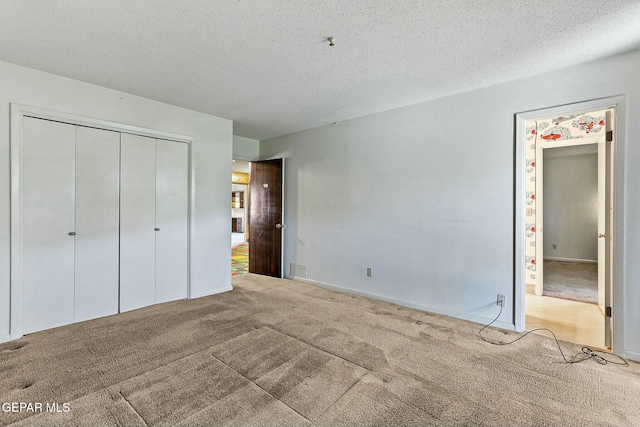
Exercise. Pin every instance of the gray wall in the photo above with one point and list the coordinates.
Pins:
(246, 149)
(210, 158)
(424, 195)
(570, 206)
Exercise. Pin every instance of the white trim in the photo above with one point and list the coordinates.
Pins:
(41, 113)
(191, 214)
(213, 292)
(632, 355)
(18, 112)
(16, 306)
(570, 142)
(619, 103)
(539, 207)
(584, 261)
(574, 108)
(284, 224)
(451, 313)
(519, 266)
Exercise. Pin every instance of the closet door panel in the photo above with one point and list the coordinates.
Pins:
(137, 221)
(47, 211)
(97, 223)
(171, 220)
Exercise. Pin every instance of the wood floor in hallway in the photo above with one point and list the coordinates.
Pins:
(573, 321)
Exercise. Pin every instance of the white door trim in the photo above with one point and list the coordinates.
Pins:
(18, 112)
(282, 221)
(619, 103)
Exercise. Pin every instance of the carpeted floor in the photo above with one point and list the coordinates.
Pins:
(282, 353)
(240, 259)
(577, 281)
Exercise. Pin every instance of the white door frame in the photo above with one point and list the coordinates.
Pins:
(619, 103)
(18, 112)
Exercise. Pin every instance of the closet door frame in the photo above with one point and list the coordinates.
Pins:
(18, 113)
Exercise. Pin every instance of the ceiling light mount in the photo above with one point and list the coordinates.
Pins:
(331, 41)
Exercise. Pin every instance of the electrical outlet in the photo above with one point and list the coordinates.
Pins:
(368, 272)
(555, 246)
(501, 300)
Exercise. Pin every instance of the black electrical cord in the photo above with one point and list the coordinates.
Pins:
(586, 353)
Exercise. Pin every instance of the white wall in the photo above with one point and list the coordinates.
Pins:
(424, 195)
(211, 155)
(240, 166)
(246, 149)
(571, 206)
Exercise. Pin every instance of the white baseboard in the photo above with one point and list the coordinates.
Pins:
(632, 355)
(587, 261)
(5, 338)
(457, 315)
(213, 292)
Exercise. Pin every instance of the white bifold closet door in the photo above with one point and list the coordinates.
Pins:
(69, 209)
(47, 209)
(137, 222)
(153, 221)
(171, 220)
(97, 223)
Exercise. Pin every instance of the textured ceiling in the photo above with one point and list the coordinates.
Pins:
(266, 64)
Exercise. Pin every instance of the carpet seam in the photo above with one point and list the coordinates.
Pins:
(93, 363)
(134, 409)
(107, 386)
(261, 388)
(342, 395)
(323, 350)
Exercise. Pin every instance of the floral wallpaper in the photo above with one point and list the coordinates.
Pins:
(552, 129)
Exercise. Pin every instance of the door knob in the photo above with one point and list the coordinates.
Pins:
(282, 226)
(72, 233)
(601, 236)
(157, 229)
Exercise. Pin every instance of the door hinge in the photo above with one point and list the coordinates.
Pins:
(609, 135)
(607, 311)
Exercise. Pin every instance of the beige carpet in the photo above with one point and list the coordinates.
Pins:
(577, 281)
(282, 353)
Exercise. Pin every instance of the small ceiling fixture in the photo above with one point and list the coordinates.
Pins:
(331, 41)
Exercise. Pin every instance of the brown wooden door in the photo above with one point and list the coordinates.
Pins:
(265, 221)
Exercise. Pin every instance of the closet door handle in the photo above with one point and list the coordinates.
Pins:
(72, 233)
(157, 229)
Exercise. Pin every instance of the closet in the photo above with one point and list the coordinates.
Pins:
(104, 222)
(153, 222)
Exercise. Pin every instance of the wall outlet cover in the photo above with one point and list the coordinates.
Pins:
(501, 300)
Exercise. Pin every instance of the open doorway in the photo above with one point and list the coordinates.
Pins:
(568, 186)
(257, 209)
(240, 194)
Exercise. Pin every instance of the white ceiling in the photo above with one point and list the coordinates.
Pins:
(267, 65)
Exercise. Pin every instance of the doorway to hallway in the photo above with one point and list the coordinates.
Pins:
(567, 216)
(240, 198)
(257, 217)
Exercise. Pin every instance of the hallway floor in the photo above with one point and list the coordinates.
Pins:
(572, 321)
(240, 259)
